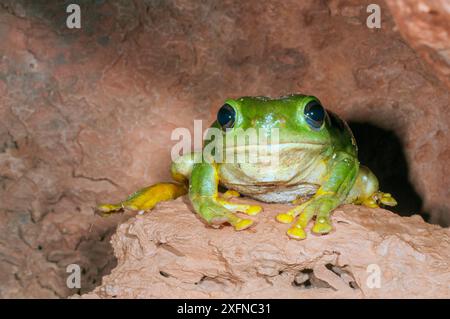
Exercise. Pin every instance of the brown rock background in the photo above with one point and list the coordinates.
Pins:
(426, 27)
(86, 115)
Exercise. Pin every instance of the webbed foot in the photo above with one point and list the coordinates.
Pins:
(320, 206)
(250, 210)
(379, 198)
(217, 210)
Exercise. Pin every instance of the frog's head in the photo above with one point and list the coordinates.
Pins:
(296, 123)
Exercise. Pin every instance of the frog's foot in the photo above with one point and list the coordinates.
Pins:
(239, 223)
(250, 210)
(320, 206)
(107, 209)
(378, 198)
(217, 211)
(146, 198)
(230, 194)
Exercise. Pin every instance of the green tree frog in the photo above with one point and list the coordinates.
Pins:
(316, 167)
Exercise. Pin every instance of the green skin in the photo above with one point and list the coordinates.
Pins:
(317, 167)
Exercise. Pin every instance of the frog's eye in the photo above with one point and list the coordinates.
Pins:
(226, 116)
(314, 114)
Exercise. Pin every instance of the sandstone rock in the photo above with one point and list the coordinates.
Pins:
(426, 27)
(171, 253)
(86, 115)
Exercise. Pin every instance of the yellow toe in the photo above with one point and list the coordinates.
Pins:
(296, 233)
(388, 200)
(253, 210)
(285, 218)
(230, 194)
(103, 208)
(243, 224)
(106, 208)
(322, 226)
(370, 203)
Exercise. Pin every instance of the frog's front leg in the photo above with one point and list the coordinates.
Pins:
(339, 181)
(146, 198)
(214, 210)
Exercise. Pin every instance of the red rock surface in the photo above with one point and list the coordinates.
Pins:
(425, 25)
(86, 115)
(170, 253)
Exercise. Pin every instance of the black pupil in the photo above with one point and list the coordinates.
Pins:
(314, 114)
(226, 116)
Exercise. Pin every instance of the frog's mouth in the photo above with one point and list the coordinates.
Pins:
(279, 147)
(271, 154)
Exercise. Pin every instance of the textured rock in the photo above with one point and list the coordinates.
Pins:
(426, 26)
(86, 115)
(171, 253)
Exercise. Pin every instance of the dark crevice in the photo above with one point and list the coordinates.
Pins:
(383, 152)
(210, 281)
(306, 279)
(344, 274)
(201, 280)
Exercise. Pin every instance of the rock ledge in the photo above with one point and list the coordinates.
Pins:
(170, 253)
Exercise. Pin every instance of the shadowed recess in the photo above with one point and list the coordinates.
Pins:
(382, 151)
